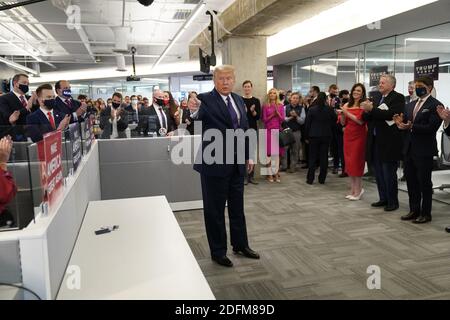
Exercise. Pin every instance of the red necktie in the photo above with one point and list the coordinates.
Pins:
(24, 102)
(51, 120)
(69, 104)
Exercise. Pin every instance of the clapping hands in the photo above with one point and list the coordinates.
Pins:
(443, 113)
(398, 119)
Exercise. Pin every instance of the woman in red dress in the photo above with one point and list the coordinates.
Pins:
(355, 134)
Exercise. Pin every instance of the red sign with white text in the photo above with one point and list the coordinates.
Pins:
(51, 167)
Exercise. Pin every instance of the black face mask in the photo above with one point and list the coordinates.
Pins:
(24, 88)
(159, 102)
(115, 105)
(421, 92)
(49, 104)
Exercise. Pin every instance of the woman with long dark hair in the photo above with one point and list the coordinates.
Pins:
(169, 102)
(355, 135)
(319, 122)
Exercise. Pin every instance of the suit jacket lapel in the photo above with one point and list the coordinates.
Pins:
(240, 107)
(44, 118)
(426, 104)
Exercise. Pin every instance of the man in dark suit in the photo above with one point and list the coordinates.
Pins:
(444, 114)
(15, 106)
(156, 118)
(223, 178)
(386, 141)
(114, 120)
(65, 104)
(420, 124)
(45, 119)
(318, 129)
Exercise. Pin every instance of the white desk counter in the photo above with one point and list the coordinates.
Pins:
(148, 257)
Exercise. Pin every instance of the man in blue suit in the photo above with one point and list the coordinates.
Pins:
(420, 124)
(64, 103)
(45, 119)
(222, 181)
(444, 114)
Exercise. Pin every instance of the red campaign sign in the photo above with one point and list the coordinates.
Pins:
(50, 154)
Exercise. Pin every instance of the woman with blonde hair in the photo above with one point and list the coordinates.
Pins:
(273, 117)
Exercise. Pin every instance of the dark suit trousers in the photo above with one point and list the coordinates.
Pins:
(338, 151)
(420, 187)
(216, 191)
(386, 176)
(318, 152)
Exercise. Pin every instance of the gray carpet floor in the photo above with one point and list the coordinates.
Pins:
(314, 244)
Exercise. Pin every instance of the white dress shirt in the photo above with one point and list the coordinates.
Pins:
(45, 112)
(20, 95)
(233, 103)
(421, 102)
(158, 113)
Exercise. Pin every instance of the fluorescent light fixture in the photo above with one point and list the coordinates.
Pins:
(110, 72)
(156, 80)
(445, 65)
(367, 60)
(17, 66)
(198, 9)
(427, 40)
(327, 23)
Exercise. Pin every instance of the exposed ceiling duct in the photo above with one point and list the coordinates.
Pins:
(120, 61)
(121, 39)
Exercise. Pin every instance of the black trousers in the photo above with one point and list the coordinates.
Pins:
(318, 152)
(420, 186)
(386, 176)
(338, 151)
(216, 192)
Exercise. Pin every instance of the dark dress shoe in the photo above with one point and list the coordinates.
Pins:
(335, 171)
(447, 229)
(422, 219)
(410, 216)
(322, 182)
(223, 261)
(309, 182)
(245, 182)
(391, 208)
(249, 253)
(305, 167)
(343, 175)
(253, 182)
(379, 204)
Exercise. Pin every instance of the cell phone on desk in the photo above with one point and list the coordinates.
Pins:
(102, 231)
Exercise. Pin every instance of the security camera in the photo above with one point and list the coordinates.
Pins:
(145, 2)
(133, 50)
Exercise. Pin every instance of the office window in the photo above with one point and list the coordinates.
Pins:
(301, 72)
(350, 67)
(379, 58)
(425, 44)
(324, 70)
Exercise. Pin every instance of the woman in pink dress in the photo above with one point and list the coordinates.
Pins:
(273, 116)
(355, 134)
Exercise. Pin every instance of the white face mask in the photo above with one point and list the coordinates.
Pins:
(134, 102)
